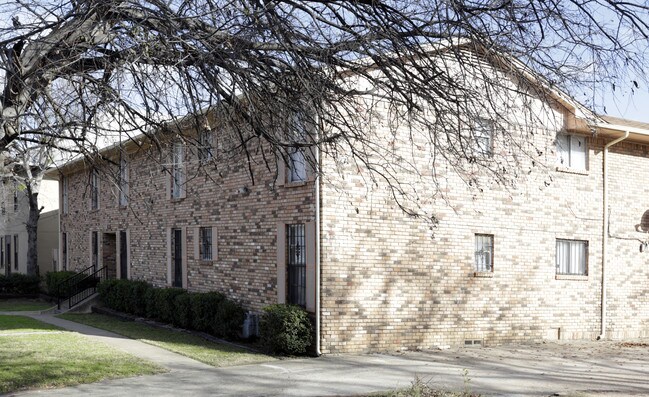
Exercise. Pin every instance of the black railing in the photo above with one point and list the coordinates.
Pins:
(80, 286)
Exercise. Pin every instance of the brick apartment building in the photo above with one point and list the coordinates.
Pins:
(504, 264)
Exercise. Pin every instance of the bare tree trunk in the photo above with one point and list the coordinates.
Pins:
(32, 232)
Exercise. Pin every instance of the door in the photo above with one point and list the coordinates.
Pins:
(177, 257)
(123, 258)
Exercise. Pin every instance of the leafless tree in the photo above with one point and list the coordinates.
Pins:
(78, 73)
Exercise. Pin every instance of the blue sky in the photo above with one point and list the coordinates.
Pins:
(630, 105)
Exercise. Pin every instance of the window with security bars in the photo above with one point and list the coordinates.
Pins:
(205, 243)
(95, 250)
(296, 264)
(572, 257)
(484, 253)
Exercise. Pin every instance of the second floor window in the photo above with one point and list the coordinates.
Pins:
(482, 134)
(205, 151)
(64, 193)
(15, 196)
(297, 166)
(177, 170)
(123, 183)
(572, 151)
(94, 189)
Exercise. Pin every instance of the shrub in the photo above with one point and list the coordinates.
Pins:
(19, 284)
(183, 310)
(165, 303)
(137, 297)
(53, 279)
(112, 293)
(204, 307)
(228, 319)
(285, 329)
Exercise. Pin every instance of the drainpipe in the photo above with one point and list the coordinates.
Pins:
(602, 334)
(317, 252)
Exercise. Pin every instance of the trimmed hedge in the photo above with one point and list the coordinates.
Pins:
(53, 279)
(19, 284)
(209, 312)
(285, 329)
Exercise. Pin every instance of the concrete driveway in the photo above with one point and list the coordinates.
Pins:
(575, 368)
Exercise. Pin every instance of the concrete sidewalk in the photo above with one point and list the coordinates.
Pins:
(585, 368)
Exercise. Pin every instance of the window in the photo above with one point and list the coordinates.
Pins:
(16, 251)
(2, 252)
(482, 134)
(8, 251)
(15, 196)
(95, 250)
(123, 182)
(64, 189)
(296, 264)
(572, 257)
(178, 170)
(297, 166)
(205, 145)
(205, 243)
(64, 251)
(484, 253)
(94, 190)
(571, 151)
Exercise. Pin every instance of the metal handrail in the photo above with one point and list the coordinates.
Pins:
(80, 286)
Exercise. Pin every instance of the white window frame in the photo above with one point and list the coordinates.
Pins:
(177, 170)
(123, 182)
(482, 136)
(94, 189)
(568, 155)
(571, 257)
(65, 181)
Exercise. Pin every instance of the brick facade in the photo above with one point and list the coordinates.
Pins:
(388, 281)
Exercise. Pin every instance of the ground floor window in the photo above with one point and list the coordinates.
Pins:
(572, 257)
(296, 264)
(95, 250)
(16, 251)
(484, 252)
(177, 257)
(64, 251)
(205, 243)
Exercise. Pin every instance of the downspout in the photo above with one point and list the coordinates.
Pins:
(317, 252)
(602, 334)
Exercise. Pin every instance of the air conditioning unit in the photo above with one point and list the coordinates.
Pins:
(250, 325)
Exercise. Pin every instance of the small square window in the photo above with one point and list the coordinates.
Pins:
(484, 253)
(572, 151)
(205, 243)
(572, 257)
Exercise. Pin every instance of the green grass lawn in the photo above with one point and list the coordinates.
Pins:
(55, 359)
(20, 324)
(20, 305)
(195, 347)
